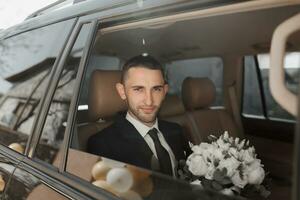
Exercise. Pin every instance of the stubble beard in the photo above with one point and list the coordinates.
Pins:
(142, 117)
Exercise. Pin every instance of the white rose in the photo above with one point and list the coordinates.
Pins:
(230, 164)
(239, 181)
(236, 141)
(208, 153)
(247, 156)
(197, 165)
(252, 151)
(230, 140)
(210, 171)
(205, 146)
(256, 173)
(200, 148)
(217, 154)
(226, 135)
(222, 145)
(241, 144)
(232, 151)
(256, 163)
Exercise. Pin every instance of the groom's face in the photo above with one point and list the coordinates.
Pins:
(143, 90)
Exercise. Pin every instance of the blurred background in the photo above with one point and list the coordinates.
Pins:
(15, 11)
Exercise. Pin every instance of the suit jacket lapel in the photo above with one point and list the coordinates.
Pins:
(135, 140)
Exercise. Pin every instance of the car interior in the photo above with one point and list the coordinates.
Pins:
(230, 36)
(206, 55)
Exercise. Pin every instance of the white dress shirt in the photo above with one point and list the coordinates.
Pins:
(143, 130)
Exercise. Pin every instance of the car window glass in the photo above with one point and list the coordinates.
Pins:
(96, 61)
(252, 94)
(25, 65)
(108, 54)
(291, 70)
(252, 105)
(211, 68)
(27, 185)
(56, 121)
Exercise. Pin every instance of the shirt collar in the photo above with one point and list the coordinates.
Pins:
(140, 127)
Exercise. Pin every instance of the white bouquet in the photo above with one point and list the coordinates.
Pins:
(227, 165)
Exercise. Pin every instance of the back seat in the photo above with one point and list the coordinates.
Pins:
(104, 103)
(172, 109)
(198, 94)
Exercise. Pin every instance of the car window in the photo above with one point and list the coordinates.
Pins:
(25, 65)
(252, 95)
(27, 185)
(211, 68)
(252, 102)
(107, 55)
(56, 121)
(96, 61)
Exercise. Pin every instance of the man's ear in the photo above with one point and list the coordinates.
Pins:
(166, 88)
(121, 90)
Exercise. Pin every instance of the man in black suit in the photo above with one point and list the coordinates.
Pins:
(138, 137)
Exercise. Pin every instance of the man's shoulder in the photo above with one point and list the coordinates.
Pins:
(168, 124)
(111, 130)
(105, 132)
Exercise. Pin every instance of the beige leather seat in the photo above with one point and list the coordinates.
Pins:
(172, 109)
(104, 103)
(198, 94)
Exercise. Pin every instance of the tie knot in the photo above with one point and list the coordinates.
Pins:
(153, 134)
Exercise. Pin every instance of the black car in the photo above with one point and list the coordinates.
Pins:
(53, 99)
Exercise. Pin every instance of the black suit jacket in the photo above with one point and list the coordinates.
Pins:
(122, 142)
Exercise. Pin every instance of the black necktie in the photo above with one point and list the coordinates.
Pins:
(162, 154)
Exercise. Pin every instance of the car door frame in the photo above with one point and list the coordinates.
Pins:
(68, 186)
(62, 181)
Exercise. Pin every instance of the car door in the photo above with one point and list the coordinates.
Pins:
(27, 63)
(40, 174)
(7, 166)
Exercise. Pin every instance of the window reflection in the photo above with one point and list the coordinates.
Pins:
(291, 69)
(25, 64)
(56, 121)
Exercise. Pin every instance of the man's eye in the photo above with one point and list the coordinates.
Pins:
(158, 89)
(137, 89)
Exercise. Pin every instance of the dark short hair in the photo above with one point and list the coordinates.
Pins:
(147, 62)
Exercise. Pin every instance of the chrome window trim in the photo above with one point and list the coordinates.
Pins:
(74, 101)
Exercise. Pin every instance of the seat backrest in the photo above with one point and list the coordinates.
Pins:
(198, 94)
(172, 109)
(104, 103)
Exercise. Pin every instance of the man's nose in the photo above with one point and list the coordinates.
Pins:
(149, 98)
